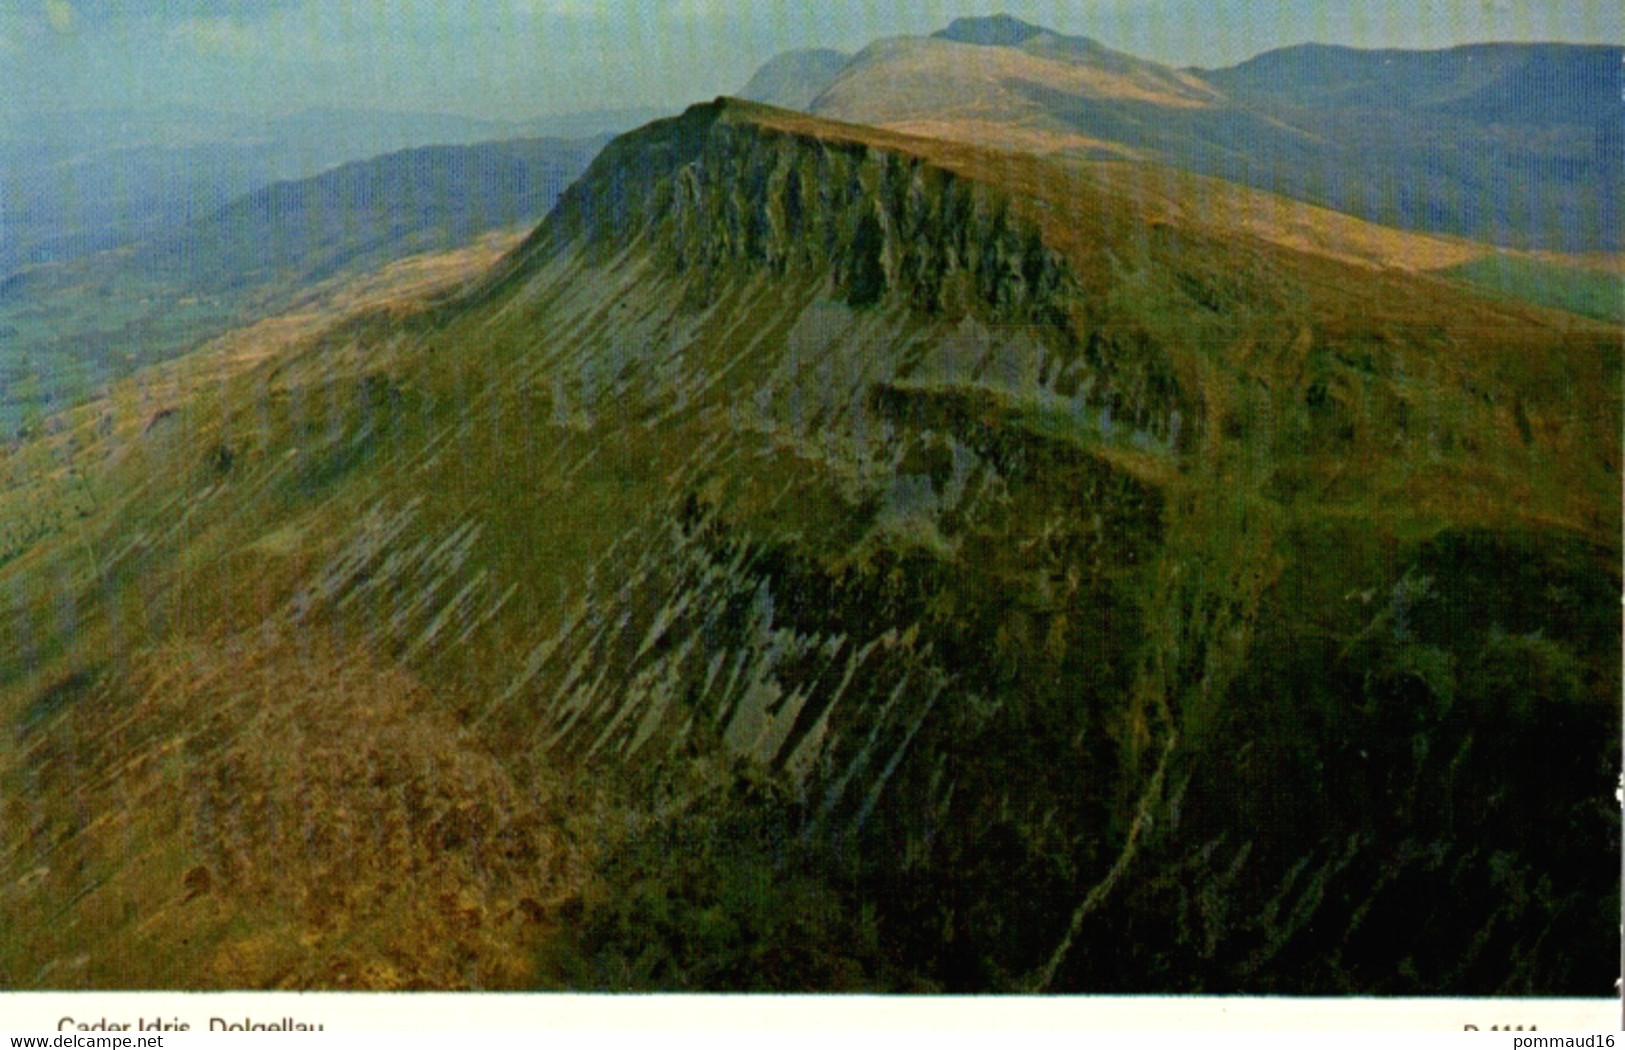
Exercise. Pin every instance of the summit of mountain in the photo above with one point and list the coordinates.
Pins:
(985, 72)
(994, 30)
(1006, 31)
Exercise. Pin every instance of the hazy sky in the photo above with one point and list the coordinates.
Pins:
(515, 59)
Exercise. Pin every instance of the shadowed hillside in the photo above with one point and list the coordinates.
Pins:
(820, 558)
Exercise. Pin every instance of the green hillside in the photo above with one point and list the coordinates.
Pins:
(822, 559)
(1584, 292)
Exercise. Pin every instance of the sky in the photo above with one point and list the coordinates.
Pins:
(519, 59)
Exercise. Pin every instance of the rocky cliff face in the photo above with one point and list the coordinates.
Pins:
(715, 194)
(1036, 586)
(709, 190)
(902, 348)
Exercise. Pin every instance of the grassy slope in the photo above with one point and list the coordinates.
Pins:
(1586, 292)
(752, 543)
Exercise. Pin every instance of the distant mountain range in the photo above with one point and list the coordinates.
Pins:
(366, 213)
(1515, 144)
(66, 327)
(83, 181)
(1492, 83)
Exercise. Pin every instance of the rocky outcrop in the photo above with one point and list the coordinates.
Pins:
(710, 189)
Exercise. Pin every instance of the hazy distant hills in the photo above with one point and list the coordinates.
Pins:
(67, 326)
(1514, 144)
(79, 182)
(365, 213)
(83, 181)
(793, 79)
(1545, 84)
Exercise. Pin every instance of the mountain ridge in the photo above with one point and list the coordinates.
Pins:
(1336, 129)
(886, 520)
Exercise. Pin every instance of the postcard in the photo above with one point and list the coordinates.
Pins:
(1092, 512)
